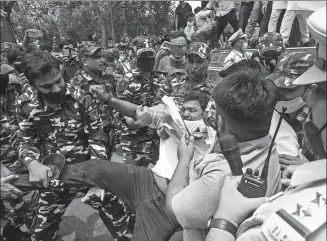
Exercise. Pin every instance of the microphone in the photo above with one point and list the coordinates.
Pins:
(231, 152)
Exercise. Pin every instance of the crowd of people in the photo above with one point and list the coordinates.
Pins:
(64, 113)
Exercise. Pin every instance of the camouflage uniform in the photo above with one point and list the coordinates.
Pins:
(73, 129)
(112, 206)
(141, 145)
(15, 211)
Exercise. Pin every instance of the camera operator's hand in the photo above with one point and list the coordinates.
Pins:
(233, 206)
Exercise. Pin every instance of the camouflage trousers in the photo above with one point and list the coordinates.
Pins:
(51, 206)
(43, 211)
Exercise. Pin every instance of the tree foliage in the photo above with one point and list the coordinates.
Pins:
(77, 19)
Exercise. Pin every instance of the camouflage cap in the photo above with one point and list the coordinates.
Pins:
(200, 49)
(270, 44)
(290, 67)
(88, 48)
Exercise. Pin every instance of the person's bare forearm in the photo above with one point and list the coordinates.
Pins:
(132, 124)
(179, 181)
(123, 107)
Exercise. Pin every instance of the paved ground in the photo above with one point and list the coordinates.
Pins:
(82, 223)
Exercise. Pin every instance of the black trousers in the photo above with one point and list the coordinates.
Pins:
(221, 23)
(245, 12)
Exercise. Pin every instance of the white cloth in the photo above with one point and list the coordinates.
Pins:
(279, 5)
(168, 160)
(233, 57)
(286, 139)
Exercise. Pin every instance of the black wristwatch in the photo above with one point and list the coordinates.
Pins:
(222, 224)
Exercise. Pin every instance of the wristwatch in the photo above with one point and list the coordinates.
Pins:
(222, 224)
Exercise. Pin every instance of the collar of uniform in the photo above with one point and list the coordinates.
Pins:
(87, 76)
(249, 146)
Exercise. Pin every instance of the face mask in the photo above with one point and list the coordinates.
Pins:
(146, 65)
(314, 140)
(56, 97)
(196, 126)
(292, 105)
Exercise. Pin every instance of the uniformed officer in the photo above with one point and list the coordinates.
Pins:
(93, 73)
(239, 44)
(140, 144)
(55, 117)
(300, 213)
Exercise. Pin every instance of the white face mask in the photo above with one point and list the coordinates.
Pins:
(198, 125)
(292, 105)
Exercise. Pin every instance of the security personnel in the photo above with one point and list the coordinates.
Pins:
(239, 44)
(140, 144)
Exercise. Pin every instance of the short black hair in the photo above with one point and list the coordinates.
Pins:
(249, 66)
(246, 102)
(38, 63)
(12, 55)
(198, 96)
(197, 10)
(177, 34)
